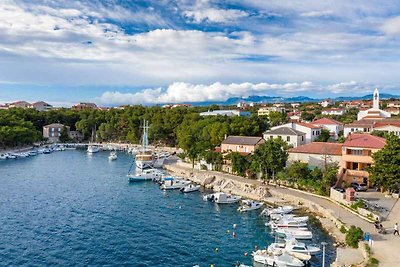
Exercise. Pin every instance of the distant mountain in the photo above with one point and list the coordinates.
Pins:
(276, 99)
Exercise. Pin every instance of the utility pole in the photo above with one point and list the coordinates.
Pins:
(323, 253)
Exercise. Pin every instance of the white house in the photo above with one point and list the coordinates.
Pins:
(264, 111)
(229, 113)
(334, 111)
(333, 126)
(312, 131)
(291, 136)
(375, 112)
(362, 126)
(316, 154)
(388, 126)
(325, 103)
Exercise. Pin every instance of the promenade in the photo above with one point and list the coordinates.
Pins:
(384, 247)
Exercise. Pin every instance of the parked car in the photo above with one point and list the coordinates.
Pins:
(359, 187)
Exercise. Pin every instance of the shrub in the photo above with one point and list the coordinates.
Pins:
(353, 236)
(373, 262)
(358, 204)
(343, 229)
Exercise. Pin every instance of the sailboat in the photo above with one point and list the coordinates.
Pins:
(144, 157)
(92, 148)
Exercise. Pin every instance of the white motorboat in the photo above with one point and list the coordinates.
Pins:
(3, 157)
(250, 205)
(297, 233)
(280, 260)
(190, 188)
(47, 151)
(33, 153)
(22, 155)
(278, 210)
(10, 156)
(286, 224)
(144, 175)
(223, 198)
(280, 217)
(171, 183)
(294, 246)
(112, 156)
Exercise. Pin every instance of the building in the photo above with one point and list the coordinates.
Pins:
(83, 105)
(295, 105)
(241, 144)
(76, 136)
(354, 104)
(393, 111)
(334, 127)
(357, 156)
(388, 126)
(334, 111)
(312, 131)
(317, 154)
(375, 112)
(361, 126)
(393, 104)
(52, 131)
(294, 115)
(229, 113)
(325, 103)
(264, 111)
(40, 106)
(291, 136)
(18, 104)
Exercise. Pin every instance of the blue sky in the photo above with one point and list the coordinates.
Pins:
(139, 52)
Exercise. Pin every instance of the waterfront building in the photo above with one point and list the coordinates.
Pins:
(312, 131)
(84, 105)
(293, 137)
(241, 144)
(76, 136)
(40, 106)
(357, 153)
(264, 111)
(334, 111)
(334, 127)
(375, 112)
(52, 132)
(229, 113)
(316, 154)
(18, 104)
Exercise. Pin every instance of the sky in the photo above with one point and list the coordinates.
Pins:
(116, 52)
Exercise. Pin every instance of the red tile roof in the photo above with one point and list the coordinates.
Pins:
(324, 121)
(387, 123)
(319, 148)
(308, 125)
(364, 140)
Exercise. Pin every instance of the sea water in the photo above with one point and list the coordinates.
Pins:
(73, 209)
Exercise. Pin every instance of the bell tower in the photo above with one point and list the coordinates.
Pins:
(376, 99)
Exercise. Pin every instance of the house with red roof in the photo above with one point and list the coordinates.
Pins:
(311, 130)
(357, 153)
(333, 126)
(317, 154)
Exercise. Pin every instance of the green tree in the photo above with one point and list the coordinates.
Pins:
(270, 157)
(240, 163)
(385, 171)
(277, 118)
(324, 136)
(64, 137)
(353, 236)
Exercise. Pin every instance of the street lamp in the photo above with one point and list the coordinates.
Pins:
(323, 253)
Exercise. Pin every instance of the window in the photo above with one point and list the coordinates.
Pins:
(288, 138)
(52, 134)
(312, 132)
(237, 148)
(52, 129)
(59, 129)
(302, 138)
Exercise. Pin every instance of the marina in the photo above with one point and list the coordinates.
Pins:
(70, 204)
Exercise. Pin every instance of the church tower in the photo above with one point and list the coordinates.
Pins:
(376, 99)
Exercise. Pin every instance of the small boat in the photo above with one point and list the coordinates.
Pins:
(278, 210)
(47, 151)
(3, 157)
(190, 188)
(286, 224)
(22, 155)
(297, 233)
(10, 156)
(294, 246)
(280, 260)
(250, 205)
(171, 183)
(113, 156)
(144, 175)
(280, 217)
(92, 149)
(33, 153)
(223, 198)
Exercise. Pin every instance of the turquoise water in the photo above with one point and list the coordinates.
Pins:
(71, 209)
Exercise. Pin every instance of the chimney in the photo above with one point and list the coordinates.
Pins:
(225, 136)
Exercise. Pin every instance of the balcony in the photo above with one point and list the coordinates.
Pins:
(357, 158)
(357, 173)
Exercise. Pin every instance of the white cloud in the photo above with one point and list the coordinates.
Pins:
(391, 26)
(215, 15)
(180, 92)
(315, 14)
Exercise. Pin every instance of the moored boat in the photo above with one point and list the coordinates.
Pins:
(224, 198)
(173, 183)
(280, 260)
(190, 188)
(144, 175)
(297, 233)
(286, 224)
(112, 156)
(280, 217)
(250, 205)
(294, 246)
(278, 210)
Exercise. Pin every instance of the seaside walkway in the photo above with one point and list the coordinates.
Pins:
(384, 247)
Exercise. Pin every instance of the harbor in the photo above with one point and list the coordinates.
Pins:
(135, 223)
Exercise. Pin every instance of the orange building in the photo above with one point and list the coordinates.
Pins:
(241, 144)
(357, 153)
